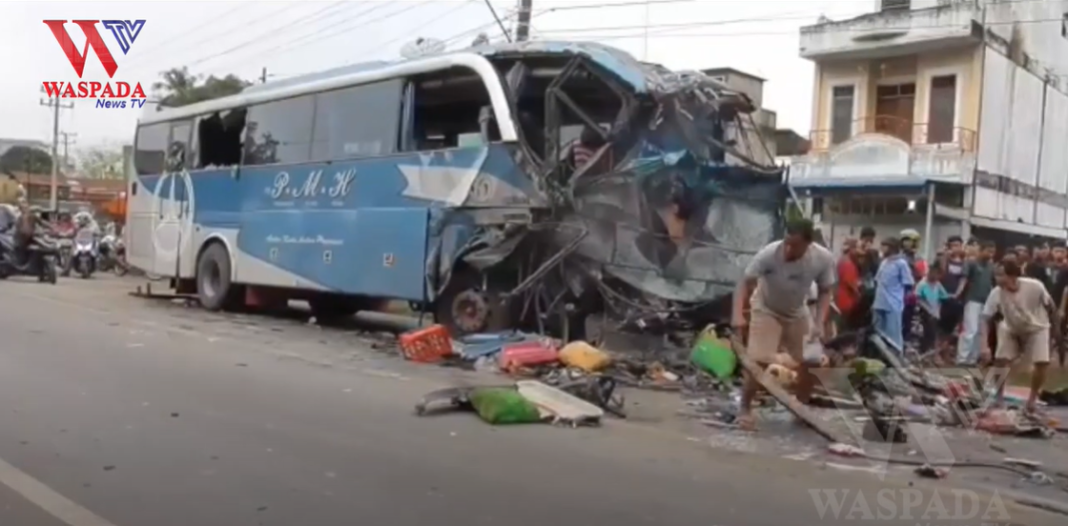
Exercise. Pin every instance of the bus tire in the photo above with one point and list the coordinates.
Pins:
(463, 307)
(214, 288)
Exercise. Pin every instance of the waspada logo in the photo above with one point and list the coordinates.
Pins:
(110, 93)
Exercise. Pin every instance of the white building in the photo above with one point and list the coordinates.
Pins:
(962, 100)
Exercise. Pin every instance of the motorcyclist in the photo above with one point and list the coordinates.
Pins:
(84, 220)
(9, 217)
(26, 228)
(64, 224)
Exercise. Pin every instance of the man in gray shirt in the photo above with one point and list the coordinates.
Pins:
(777, 282)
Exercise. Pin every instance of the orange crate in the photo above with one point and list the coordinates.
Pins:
(428, 345)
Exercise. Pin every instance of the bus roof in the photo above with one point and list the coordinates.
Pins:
(618, 62)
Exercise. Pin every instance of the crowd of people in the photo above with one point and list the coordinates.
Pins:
(957, 307)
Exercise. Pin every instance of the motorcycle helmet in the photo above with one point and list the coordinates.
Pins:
(910, 234)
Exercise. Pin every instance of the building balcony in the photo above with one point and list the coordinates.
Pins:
(915, 134)
(887, 152)
(894, 32)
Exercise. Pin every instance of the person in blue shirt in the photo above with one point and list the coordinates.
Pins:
(931, 295)
(892, 282)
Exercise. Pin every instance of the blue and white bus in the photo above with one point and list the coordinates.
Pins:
(429, 180)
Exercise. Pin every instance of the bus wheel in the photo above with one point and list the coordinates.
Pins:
(214, 289)
(465, 308)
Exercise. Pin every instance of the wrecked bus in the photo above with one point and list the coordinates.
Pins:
(523, 185)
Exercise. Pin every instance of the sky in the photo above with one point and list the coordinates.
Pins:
(292, 38)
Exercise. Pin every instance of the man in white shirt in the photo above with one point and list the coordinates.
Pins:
(1029, 314)
(777, 282)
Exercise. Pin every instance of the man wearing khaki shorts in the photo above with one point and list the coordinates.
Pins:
(1028, 316)
(777, 284)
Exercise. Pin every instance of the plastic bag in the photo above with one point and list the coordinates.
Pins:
(499, 406)
(582, 355)
(714, 355)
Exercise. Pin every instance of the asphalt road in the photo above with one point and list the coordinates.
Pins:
(122, 412)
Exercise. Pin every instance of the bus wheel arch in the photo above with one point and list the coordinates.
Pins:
(214, 277)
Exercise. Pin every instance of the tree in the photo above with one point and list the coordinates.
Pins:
(179, 87)
(100, 163)
(26, 159)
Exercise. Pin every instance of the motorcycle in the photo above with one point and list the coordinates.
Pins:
(65, 249)
(85, 253)
(38, 259)
(119, 264)
(106, 261)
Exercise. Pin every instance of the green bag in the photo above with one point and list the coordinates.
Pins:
(497, 405)
(714, 356)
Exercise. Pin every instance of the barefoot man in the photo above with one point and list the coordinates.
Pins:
(777, 281)
(1028, 316)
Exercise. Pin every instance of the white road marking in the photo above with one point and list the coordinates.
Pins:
(56, 505)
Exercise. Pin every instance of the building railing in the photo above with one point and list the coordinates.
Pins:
(914, 133)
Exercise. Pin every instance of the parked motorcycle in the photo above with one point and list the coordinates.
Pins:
(85, 253)
(38, 259)
(119, 265)
(64, 237)
(106, 260)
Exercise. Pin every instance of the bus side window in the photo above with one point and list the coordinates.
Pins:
(279, 132)
(446, 110)
(178, 150)
(360, 121)
(219, 138)
(151, 148)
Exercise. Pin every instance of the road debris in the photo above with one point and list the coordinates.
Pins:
(931, 472)
(525, 401)
(845, 450)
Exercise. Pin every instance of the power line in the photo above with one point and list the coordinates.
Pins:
(415, 32)
(493, 11)
(196, 27)
(791, 32)
(684, 25)
(479, 29)
(510, 16)
(258, 38)
(303, 40)
(246, 24)
(616, 4)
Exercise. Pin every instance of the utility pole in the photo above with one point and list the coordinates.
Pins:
(263, 76)
(522, 26)
(57, 105)
(68, 139)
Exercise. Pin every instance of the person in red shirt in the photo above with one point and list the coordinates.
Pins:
(848, 296)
